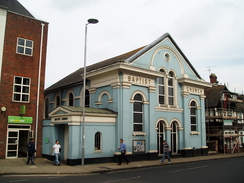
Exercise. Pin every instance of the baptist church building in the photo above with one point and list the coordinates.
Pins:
(144, 96)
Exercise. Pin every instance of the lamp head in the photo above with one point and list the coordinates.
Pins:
(92, 21)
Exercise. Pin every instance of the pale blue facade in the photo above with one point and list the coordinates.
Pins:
(155, 94)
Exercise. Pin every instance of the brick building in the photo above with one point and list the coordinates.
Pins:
(23, 43)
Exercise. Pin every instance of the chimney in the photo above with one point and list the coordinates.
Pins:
(213, 78)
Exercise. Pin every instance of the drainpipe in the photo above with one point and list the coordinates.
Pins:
(38, 85)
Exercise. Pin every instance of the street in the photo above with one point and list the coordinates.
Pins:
(217, 171)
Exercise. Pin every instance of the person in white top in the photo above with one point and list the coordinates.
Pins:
(57, 149)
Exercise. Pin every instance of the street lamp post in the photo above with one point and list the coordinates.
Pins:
(89, 21)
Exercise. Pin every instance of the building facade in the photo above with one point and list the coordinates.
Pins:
(144, 96)
(23, 42)
(224, 119)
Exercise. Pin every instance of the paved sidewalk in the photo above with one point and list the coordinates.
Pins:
(44, 166)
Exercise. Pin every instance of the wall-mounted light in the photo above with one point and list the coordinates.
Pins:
(3, 109)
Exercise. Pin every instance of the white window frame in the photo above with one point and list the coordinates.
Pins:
(194, 115)
(25, 46)
(163, 86)
(138, 112)
(100, 142)
(171, 87)
(21, 93)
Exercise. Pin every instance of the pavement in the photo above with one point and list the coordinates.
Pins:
(44, 166)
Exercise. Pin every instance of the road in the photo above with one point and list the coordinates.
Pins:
(217, 171)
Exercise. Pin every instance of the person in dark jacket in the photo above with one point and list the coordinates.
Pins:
(31, 151)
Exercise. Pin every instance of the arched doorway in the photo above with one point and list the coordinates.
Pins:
(160, 135)
(174, 138)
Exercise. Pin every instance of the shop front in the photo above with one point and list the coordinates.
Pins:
(19, 133)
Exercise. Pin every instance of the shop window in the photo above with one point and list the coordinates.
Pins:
(21, 89)
(24, 46)
(98, 138)
(193, 115)
(138, 113)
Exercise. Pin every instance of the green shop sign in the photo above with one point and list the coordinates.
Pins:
(20, 119)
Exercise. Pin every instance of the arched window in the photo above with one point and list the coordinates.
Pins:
(105, 101)
(171, 88)
(138, 113)
(87, 98)
(46, 108)
(160, 135)
(71, 99)
(161, 87)
(58, 102)
(193, 114)
(98, 143)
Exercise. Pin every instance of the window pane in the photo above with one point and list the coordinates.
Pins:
(58, 101)
(161, 81)
(28, 43)
(13, 134)
(18, 80)
(137, 117)
(97, 141)
(138, 106)
(138, 97)
(171, 91)
(161, 99)
(28, 51)
(193, 120)
(170, 82)
(193, 111)
(25, 98)
(21, 42)
(161, 89)
(12, 154)
(20, 49)
(12, 147)
(193, 128)
(193, 103)
(137, 128)
(171, 100)
(26, 81)
(17, 88)
(25, 89)
(17, 97)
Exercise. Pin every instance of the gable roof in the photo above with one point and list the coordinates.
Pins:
(75, 77)
(148, 47)
(214, 94)
(15, 6)
(79, 110)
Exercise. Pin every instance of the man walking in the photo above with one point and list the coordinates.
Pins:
(57, 149)
(31, 151)
(122, 148)
(166, 152)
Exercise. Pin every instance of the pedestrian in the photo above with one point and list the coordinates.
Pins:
(31, 151)
(57, 150)
(122, 149)
(166, 152)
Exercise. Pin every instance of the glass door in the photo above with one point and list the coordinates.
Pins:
(13, 143)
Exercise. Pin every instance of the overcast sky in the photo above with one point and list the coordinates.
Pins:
(209, 32)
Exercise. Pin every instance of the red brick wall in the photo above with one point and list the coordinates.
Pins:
(14, 64)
